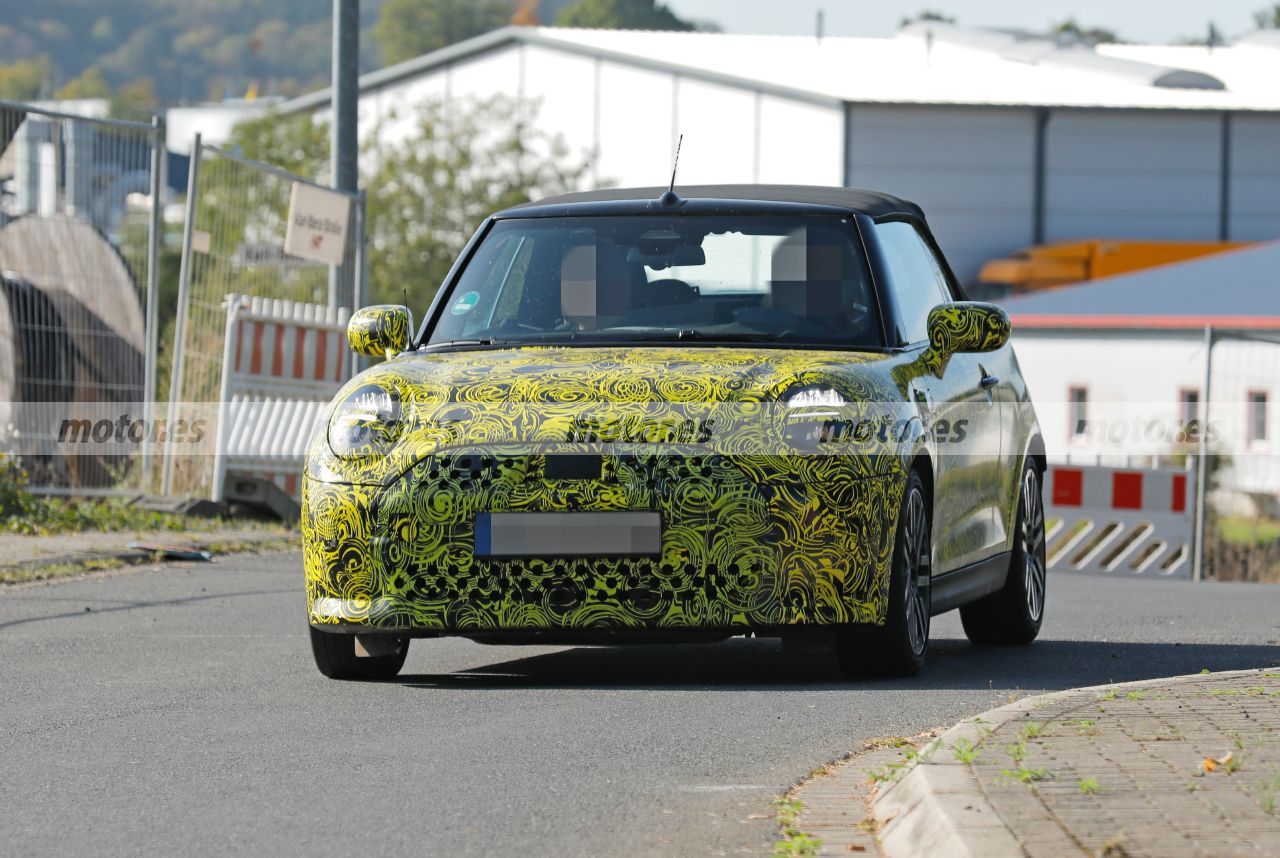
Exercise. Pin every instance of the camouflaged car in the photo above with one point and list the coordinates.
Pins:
(637, 415)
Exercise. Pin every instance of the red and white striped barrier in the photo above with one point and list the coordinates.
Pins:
(282, 362)
(1120, 520)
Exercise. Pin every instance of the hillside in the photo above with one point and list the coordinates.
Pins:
(182, 50)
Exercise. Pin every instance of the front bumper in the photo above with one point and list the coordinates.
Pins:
(748, 542)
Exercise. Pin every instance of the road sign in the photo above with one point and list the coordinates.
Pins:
(317, 224)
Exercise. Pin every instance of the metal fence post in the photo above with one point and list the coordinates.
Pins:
(184, 286)
(152, 338)
(1202, 466)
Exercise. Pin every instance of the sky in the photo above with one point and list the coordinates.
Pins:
(1134, 20)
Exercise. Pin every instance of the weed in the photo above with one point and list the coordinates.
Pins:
(1032, 731)
(966, 752)
(1027, 776)
(1088, 786)
(1107, 695)
(1017, 751)
(793, 843)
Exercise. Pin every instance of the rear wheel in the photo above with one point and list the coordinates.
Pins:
(898, 648)
(341, 656)
(1014, 614)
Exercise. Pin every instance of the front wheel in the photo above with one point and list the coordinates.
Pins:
(341, 656)
(1013, 614)
(898, 648)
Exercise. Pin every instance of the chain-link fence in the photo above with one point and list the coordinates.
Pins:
(237, 219)
(80, 212)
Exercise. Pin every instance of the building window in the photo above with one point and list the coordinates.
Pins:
(1078, 409)
(1257, 419)
(1189, 411)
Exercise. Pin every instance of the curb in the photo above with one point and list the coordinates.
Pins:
(936, 806)
(88, 563)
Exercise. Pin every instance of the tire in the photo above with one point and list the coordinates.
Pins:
(335, 655)
(1012, 616)
(899, 647)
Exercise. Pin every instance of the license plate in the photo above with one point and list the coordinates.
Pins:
(568, 534)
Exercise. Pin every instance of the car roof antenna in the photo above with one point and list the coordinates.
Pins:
(413, 341)
(669, 198)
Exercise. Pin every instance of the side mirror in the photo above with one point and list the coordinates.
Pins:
(967, 326)
(381, 330)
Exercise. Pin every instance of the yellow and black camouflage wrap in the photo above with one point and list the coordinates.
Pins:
(971, 326)
(753, 536)
(380, 330)
(755, 531)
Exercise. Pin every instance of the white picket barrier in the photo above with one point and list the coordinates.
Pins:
(283, 362)
(1120, 520)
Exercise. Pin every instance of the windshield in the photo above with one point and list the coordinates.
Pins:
(617, 280)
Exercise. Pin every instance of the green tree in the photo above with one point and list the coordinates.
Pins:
(1267, 19)
(90, 84)
(297, 143)
(1071, 30)
(26, 79)
(430, 190)
(429, 193)
(410, 28)
(621, 15)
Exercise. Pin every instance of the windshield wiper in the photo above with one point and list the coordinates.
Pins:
(486, 341)
(687, 334)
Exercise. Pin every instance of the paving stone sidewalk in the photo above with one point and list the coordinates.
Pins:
(1187, 766)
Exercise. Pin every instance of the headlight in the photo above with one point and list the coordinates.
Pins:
(813, 397)
(811, 416)
(366, 423)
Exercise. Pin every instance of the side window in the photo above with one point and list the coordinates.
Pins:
(915, 277)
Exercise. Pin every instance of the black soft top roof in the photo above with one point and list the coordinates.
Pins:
(705, 198)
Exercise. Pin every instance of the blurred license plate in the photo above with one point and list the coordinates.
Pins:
(568, 534)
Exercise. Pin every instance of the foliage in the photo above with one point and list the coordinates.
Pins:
(187, 50)
(22, 512)
(1070, 30)
(430, 192)
(621, 15)
(1267, 19)
(90, 84)
(410, 28)
(25, 80)
(928, 15)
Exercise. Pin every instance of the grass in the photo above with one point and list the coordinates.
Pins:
(1088, 786)
(1017, 751)
(1032, 731)
(1243, 530)
(27, 573)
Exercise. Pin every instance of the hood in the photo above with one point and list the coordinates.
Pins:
(708, 395)
(701, 374)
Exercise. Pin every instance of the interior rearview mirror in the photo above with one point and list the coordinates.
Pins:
(967, 326)
(381, 330)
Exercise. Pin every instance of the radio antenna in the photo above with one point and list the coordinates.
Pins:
(675, 165)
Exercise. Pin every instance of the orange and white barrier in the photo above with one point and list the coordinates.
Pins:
(282, 363)
(1120, 520)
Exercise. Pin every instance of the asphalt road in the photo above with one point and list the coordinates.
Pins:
(177, 710)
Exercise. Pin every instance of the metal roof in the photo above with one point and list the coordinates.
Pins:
(1237, 289)
(934, 64)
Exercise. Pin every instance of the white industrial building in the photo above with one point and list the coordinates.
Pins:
(1007, 140)
(1119, 368)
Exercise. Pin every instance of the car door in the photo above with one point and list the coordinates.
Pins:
(960, 405)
